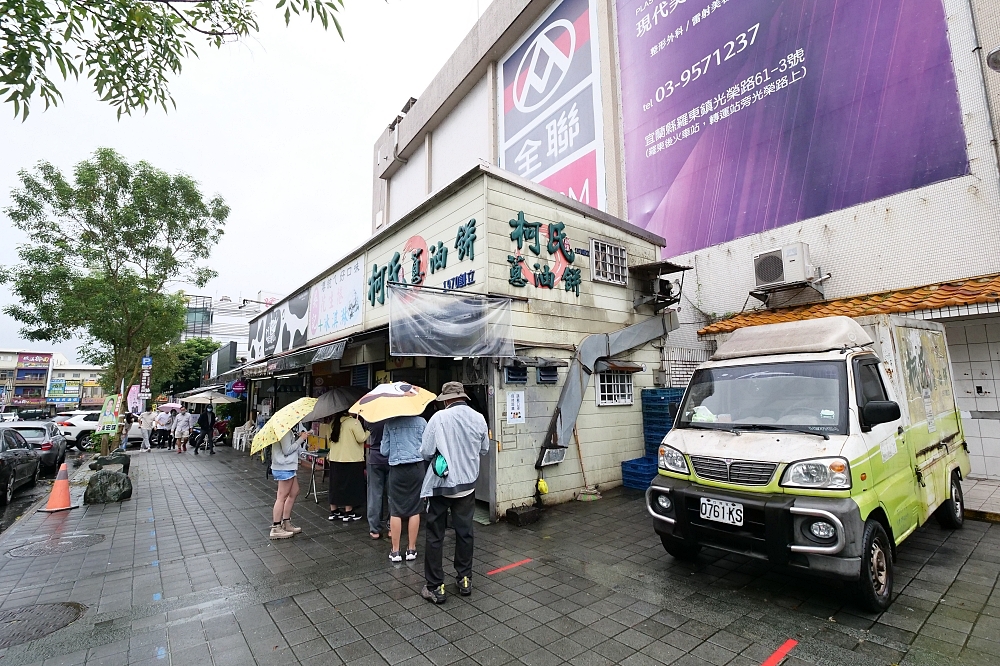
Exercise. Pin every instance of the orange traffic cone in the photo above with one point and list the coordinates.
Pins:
(59, 497)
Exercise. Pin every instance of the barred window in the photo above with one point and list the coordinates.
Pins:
(614, 388)
(608, 263)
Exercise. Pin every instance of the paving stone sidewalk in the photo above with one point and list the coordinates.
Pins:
(184, 574)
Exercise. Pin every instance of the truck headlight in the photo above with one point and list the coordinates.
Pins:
(672, 460)
(823, 473)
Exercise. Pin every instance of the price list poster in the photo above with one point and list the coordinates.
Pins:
(741, 116)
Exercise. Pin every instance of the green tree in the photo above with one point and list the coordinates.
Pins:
(182, 364)
(104, 253)
(127, 48)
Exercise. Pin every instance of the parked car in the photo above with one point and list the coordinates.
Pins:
(19, 464)
(45, 438)
(79, 426)
(817, 444)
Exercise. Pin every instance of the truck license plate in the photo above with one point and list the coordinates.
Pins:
(729, 513)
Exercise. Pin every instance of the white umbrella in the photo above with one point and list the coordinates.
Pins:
(209, 398)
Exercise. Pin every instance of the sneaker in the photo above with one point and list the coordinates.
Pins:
(351, 517)
(336, 514)
(288, 527)
(434, 594)
(410, 555)
(278, 532)
(464, 586)
(394, 556)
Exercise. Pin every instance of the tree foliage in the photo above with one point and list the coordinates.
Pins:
(179, 364)
(127, 48)
(104, 252)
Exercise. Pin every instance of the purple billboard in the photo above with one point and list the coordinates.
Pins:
(746, 115)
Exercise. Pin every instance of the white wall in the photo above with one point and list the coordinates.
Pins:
(462, 139)
(949, 230)
(408, 186)
(974, 347)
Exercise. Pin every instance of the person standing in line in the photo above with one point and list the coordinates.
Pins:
(284, 469)
(347, 467)
(146, 422)
(164, 426)
(401, 441)
(454, 440)
(206, 423)
(378, 475)
(182, 429)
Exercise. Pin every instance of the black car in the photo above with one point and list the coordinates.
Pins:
(46, 440)
(18, 463)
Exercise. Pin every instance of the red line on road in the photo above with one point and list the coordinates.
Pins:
(780, 653)
(508, 566)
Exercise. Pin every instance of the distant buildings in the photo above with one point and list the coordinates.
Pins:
(46, 380)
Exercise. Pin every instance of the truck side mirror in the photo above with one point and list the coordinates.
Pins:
(880, 411)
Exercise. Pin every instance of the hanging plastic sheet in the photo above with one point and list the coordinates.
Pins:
(426, 322)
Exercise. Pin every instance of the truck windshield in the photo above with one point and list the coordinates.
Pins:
(810, 396)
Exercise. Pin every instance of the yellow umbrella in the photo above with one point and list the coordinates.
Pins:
(386, 401)
(283, 420)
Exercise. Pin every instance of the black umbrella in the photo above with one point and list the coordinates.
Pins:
(337, 399)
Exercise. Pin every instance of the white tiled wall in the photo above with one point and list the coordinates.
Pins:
(974, 346)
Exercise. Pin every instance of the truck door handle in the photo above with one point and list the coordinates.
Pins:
(899, 430)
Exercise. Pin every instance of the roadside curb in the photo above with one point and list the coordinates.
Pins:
(986, 516)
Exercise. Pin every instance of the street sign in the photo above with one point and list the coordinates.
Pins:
(144, 378)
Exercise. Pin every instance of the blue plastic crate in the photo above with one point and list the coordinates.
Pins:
(638, 473)
(656, 395)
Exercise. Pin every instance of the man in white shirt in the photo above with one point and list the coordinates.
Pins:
(182, 429)
(164, 422)
(146, 421)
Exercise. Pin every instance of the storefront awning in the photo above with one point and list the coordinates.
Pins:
(431, 322)
(618, 366)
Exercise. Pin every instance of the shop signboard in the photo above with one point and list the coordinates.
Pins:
(741, 116)
(549, 104)
(335, 301)
(283, 328)
(30, 360)
(421, 262)
(62, 391)
(239, 386)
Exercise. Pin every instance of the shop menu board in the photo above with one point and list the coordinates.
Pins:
(549, 106)
(746, 115)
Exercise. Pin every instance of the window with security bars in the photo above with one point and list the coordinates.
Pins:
(608, 263)
(614, 388)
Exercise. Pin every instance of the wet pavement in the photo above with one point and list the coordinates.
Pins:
(184, 574)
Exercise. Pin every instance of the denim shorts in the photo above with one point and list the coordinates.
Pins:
(283, 474)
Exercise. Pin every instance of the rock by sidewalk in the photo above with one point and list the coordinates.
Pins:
(106, 486)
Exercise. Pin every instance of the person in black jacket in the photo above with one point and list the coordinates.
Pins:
(206, 423)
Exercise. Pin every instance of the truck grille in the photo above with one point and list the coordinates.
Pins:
(744, 472)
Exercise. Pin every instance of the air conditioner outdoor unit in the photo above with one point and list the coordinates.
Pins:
(787, 265)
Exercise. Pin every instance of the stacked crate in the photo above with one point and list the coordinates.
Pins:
(656, 421)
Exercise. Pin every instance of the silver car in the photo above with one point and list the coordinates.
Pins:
(46, 440)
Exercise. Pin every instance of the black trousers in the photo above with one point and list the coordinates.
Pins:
(462, 511)
(163, 438)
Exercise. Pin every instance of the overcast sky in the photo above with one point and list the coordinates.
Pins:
(281, 125)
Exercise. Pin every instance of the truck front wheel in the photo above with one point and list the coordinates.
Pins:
(679, 548)
(951, 513)
(875, 586)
